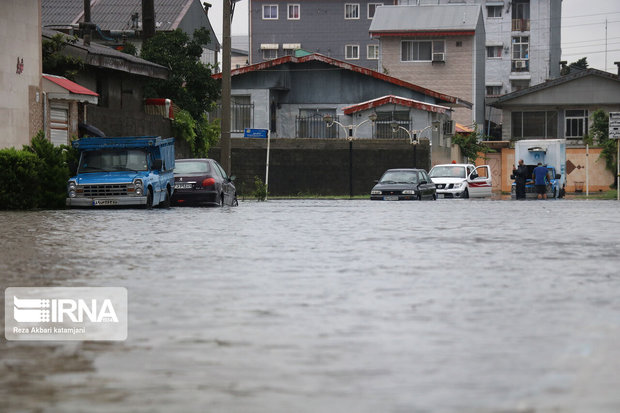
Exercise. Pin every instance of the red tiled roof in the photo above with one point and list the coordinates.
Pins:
(69, 85)
(429, 107)
(343, 65)
(462, 128)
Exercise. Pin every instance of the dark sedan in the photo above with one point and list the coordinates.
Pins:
(202, 182)
(403, 185)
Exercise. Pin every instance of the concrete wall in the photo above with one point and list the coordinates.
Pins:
(321, 28)
(319, 166)
(21, 101)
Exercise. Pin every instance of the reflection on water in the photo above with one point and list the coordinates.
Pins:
(469, 306)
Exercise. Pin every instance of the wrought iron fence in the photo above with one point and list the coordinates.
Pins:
(315, 127)
(384, 130)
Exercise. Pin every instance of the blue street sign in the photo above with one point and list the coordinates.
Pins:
(255, 133)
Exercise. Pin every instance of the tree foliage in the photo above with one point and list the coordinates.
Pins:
(55, 62)
(581, 64)
(599, 134)
(471, 145)
(189, 84)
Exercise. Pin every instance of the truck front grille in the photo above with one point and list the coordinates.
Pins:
(105, 190)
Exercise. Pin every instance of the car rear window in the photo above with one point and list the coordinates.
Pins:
(191, 167)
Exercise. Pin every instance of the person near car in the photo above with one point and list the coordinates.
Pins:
(540, 180)
(520, 176)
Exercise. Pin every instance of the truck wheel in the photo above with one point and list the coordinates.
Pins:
(149, 199)
(235, 201)
(221, 203)
(434, 197)
(466, 193)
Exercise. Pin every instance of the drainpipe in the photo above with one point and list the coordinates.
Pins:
(618, 64)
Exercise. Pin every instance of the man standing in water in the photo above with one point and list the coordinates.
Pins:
(520, 176)
(540, 180)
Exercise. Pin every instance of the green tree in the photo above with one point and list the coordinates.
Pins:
(189, 84)
(471, 144)
(581, 64)
(599, 134)
(55, 62)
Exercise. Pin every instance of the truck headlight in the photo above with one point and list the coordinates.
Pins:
(409, 192)
(138, 185)
(457, 185)
(71, 189)
(375, 192)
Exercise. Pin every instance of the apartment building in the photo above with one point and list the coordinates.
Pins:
(523, 43)
(440, 47)
(334, 28)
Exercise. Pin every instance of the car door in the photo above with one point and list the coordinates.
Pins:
(227, 186)
(427, 188)
(479, 182)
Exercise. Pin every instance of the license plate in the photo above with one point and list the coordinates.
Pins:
(439, 196)
(104, 202)
(182, 185)
(391, 198)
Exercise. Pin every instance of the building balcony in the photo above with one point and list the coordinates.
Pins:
(520, 25)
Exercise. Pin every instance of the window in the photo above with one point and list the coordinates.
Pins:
(293, 11)
(270, 54)
(241, 113)
(529, 125)
(310, 124)
(494, 52)
(372, 8)
(352, 52)
(412, 50)
(352, 11)
(383, 125)
(494, 11)
(520, 54)
(494, 90)
(576, 123)
(372, 52)
(270, 12)
(521, 15)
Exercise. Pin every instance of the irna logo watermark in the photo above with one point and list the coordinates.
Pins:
(71, 313)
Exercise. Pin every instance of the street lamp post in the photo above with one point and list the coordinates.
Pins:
(350, 132)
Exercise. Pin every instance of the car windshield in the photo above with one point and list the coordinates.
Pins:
(191, 167)
(399, 177)
(113, 160)
(448, 171)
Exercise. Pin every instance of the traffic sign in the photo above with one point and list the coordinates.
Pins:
(614, 125)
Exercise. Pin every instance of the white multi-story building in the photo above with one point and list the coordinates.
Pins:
(523, 43)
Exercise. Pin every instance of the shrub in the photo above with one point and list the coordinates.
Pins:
(260, 189)
(34, 177)
(19, 179)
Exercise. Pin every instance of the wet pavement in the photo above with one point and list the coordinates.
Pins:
(328, 306)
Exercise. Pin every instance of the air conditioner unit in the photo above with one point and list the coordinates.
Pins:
(521, 64)
(439, 57)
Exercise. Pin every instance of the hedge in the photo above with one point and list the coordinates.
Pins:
(36, 176)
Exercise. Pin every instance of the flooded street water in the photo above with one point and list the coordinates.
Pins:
(327, 306)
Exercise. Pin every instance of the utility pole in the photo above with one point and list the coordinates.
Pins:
(226, 86)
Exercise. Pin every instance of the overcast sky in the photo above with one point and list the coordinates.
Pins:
(583, 29)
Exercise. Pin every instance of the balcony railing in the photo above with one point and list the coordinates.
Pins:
(520, 25)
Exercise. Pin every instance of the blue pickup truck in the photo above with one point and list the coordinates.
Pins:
(123, 171)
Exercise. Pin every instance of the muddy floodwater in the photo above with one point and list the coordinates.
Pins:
(327, 306)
